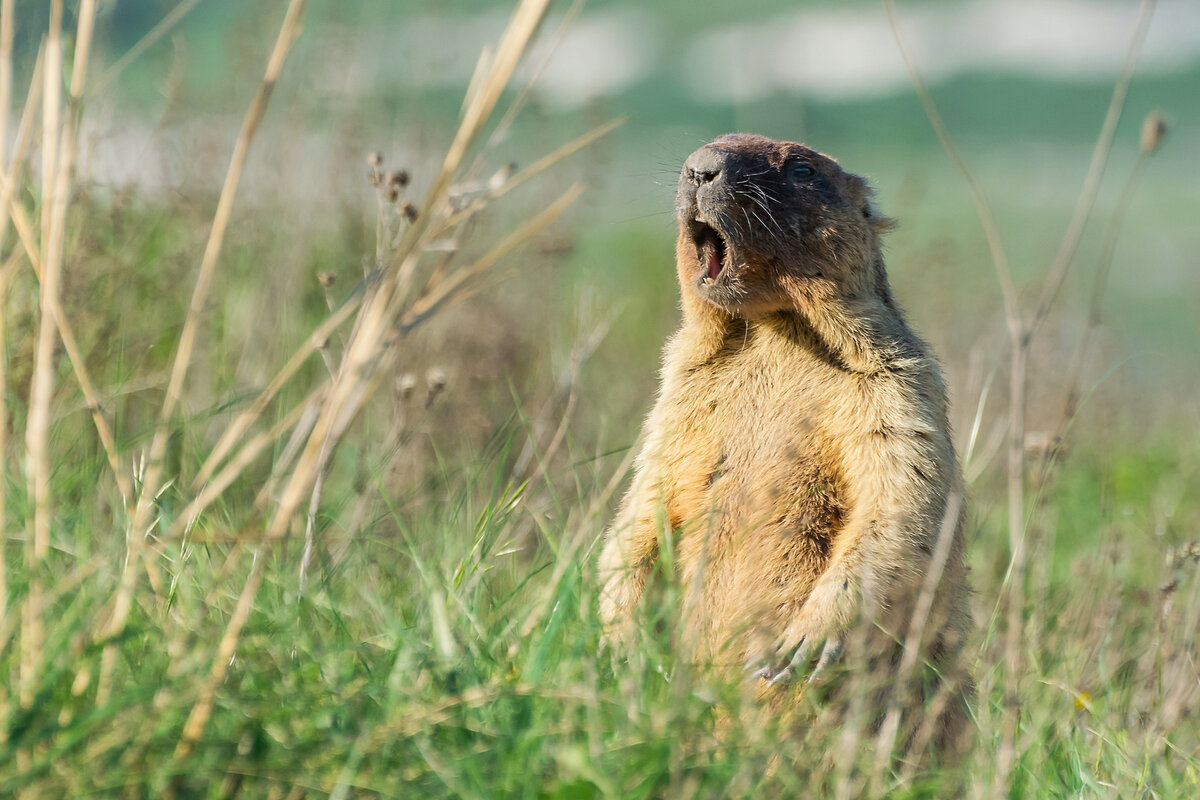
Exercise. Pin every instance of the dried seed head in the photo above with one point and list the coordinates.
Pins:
(398, 177)
(408, 210)
(435, 379)
(391, 193)
(501, 176)
(327, 279)
(406, 384)
(374, 160)
(1154, 130)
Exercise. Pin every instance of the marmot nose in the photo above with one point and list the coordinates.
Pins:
(704, 165)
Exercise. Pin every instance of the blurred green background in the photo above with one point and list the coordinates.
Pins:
(1022, 86)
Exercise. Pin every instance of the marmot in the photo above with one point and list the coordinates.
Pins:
(799, 455)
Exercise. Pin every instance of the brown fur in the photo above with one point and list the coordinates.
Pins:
(799, 454)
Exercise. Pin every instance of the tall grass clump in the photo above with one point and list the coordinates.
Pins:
(267, 533)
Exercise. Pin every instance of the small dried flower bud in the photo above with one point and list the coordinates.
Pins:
(406, 385)
(435, 378)
(408, 210)
(327, 279)
(323, 344)
(374, 160)
(391, 193)
(501, 176)
(1154, 130)
(398, 177)
(435, 381)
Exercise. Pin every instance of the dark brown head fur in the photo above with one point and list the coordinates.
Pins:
(760, 218)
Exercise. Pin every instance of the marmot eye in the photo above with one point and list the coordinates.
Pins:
(803, 170)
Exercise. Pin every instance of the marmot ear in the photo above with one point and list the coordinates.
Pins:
(861, 196)
(879, 223)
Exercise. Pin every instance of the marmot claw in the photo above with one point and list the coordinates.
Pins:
(793, 663)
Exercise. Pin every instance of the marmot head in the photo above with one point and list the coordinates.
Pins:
(760, 220)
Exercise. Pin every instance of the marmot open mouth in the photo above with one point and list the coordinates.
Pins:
(711, 250)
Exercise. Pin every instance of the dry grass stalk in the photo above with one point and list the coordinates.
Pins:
(885, 741)
(12, 176)
(145, 43)
(500, 133)
(10, 210)
(1153, 131)
(6, 273)
(1057, 271)
(37, 543)
(233, 433)
(1021, 333)
(6, 49)
(288, 32)
(58, 151)
(249, 451)
(139, 525)
(373, 340)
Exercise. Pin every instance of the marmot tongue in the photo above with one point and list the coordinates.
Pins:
(712, 259)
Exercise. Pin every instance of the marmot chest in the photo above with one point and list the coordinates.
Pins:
(748, 454)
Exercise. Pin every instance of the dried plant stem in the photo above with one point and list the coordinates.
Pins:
(249, 451)
(37, 427)
(245, 419)
(1016, 568)
(139, 525)
(208, 263)
(1095, 310)
(1057, 272)
(1021, 335)
(145, 43)
(514, 108)
(438, 294)
(371, 342)
(541, 165)
(521, 27)
(6, 273)
(885, 741)
(197, 719)
(91, 397)
(6, 49)
(12, 176)
(982, 209)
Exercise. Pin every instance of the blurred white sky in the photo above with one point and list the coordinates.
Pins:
(829, 52)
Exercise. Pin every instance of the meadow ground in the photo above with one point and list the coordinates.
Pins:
(421, 620)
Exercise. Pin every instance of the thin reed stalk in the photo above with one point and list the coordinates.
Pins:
(885, 741)
(6, 46)
(12, 175)
(1021, 334)
(37, 427)
(173, 17)
(140, 523)
(1112, 232)
(373, 342)
(6, 50)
